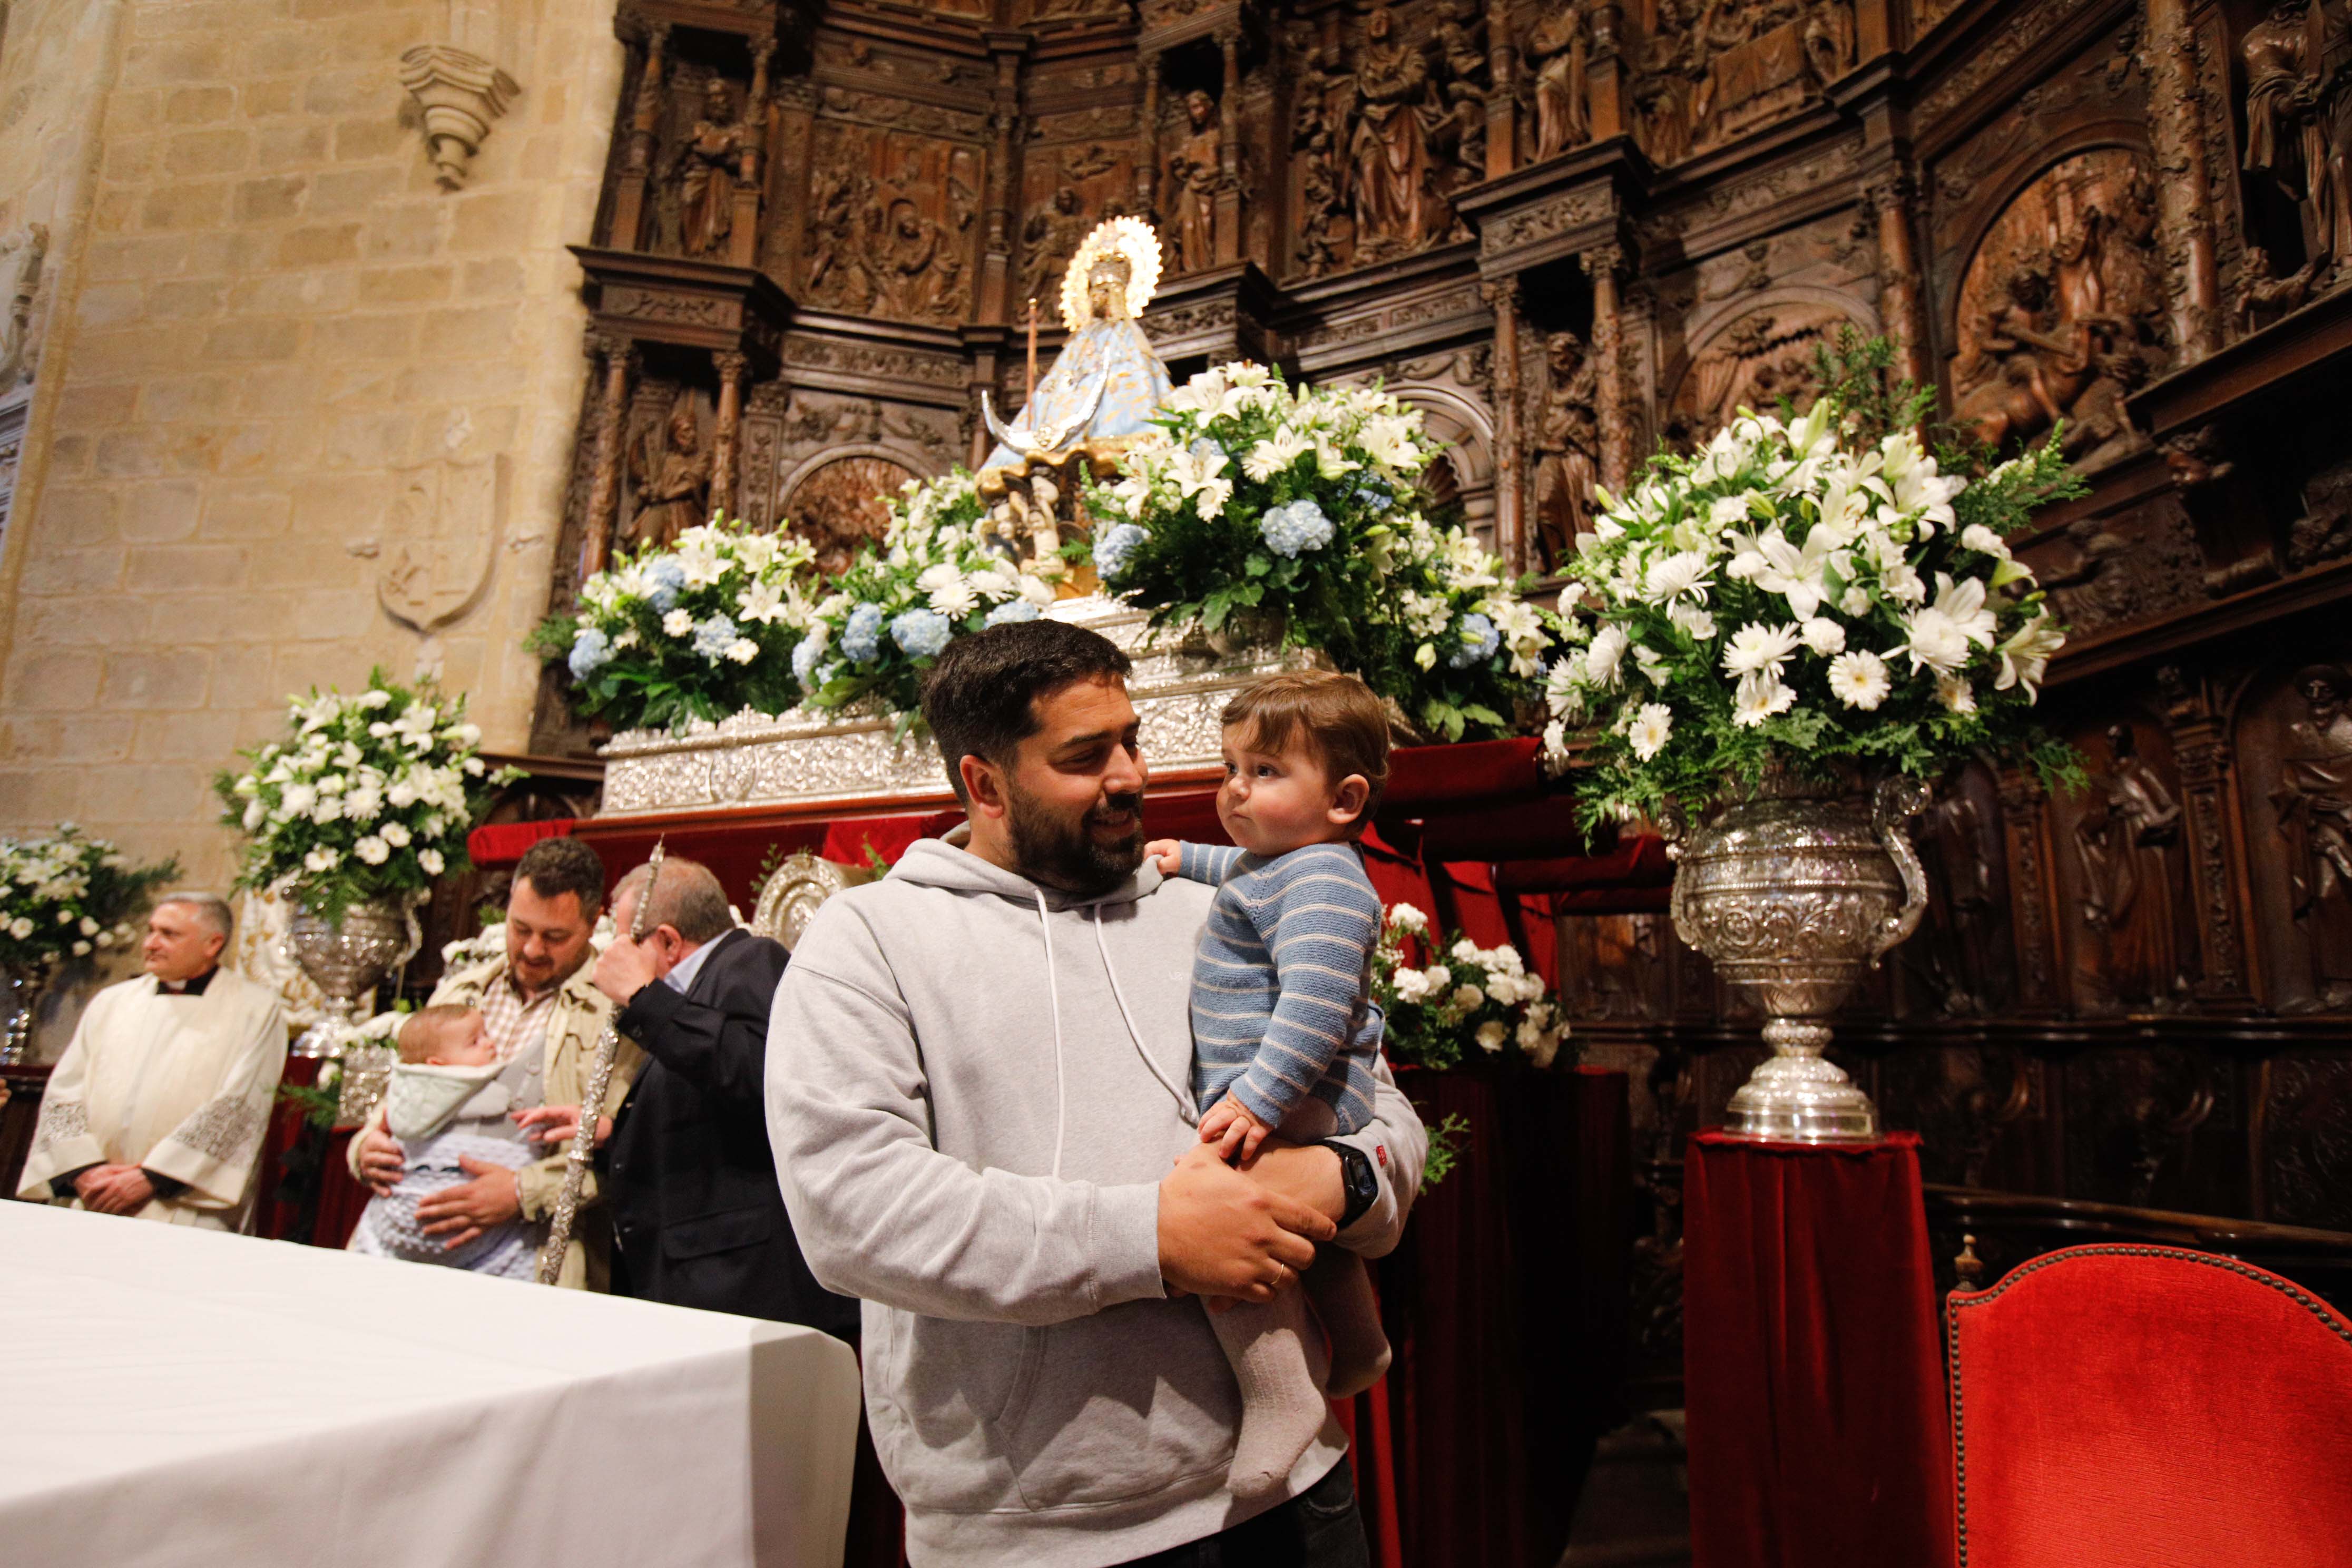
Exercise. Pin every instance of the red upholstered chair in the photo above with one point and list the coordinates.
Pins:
(2146, 1407)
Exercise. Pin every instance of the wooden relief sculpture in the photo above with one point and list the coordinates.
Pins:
(1760, 358)
(2313, 801)
(1192, 171)
(2298, 61)
(842, 506)
(2127, 843)
(670, 474)
(1719, 70)
(1556, 49)
(1568, 441)
(2062, 311)
(703, 174)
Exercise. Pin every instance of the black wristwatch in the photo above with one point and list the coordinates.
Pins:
(1356, 1177)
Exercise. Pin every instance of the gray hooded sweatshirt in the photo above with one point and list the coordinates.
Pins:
(975, 1086)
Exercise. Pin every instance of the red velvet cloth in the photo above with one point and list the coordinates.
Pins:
(503, 843)
(846, 842)
(1813, 1376)
(1505, 1306)
(1432, 775)
(2144, 1404)
(279, 1202)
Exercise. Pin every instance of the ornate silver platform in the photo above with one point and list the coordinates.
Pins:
(1180, 684)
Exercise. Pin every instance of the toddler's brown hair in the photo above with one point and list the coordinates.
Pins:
(1339, 718)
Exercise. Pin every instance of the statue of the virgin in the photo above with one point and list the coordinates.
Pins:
(1107, 383)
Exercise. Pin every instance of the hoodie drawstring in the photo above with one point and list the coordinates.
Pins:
(1053, 998)
(1183, 1102)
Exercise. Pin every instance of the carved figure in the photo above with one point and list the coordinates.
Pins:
(1049, 239)
(1193, 171)
(1556, 51)
(1455, 124)
(1568, 436)
(1959, 844)
(1759, 360)
(2124, 840)
(2063, 310)
(1388, 188)
(1324, 223)
(704, 173)
(839, 508)
(843, 221)
(1735, 65)
(920, 268)
(2298, 61)
(672, 482)
(2315, 808)
(2261, 298)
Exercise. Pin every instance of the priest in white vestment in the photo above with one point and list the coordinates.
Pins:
(159, 1105)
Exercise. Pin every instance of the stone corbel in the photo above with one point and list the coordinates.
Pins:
(459, 94)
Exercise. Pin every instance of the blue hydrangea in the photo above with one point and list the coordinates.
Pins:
(668, 579)
(921, 633)
(861, 639)
(1012, 610)
(804, 657)
(591, 650)
(712, 638)
(1301, 525)
(1117, 548)
(1479, 639)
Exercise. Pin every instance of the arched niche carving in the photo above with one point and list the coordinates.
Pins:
(1752, 353)
(841, 501)
(1461, 424)
(2060, 311)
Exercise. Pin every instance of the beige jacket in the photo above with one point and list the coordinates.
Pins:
(581, 1011)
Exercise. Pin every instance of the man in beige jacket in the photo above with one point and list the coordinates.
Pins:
(538, 1000)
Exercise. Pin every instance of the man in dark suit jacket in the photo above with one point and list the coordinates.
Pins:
(688, 1179)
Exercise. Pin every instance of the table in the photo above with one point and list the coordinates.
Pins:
(191, 1398)
(1813, 1376)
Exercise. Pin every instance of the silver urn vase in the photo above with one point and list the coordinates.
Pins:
(20, 1014)
(1796, 894)
(347, 959)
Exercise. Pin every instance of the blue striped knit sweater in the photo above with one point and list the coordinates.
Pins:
(1281, 981)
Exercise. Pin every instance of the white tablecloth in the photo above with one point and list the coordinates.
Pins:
(177, 1396)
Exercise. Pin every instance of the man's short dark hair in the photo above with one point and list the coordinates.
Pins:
(981, 698)
(555, 866)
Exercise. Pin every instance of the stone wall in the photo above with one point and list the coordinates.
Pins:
(301, 409)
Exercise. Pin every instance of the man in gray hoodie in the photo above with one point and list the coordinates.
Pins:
(977, 1093)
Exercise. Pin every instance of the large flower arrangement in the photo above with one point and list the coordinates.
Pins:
(1254, 499)
(66, 896)
(368, 796)
(940, 573)
(699, 629)
(1815, 592)
(1443, 999)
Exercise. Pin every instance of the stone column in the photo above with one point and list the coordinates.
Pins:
(614, 356)
(1147, 168)
(636, 164)
(1510, 535)
(1503, 97)
(1899, 299)
(1226, 243)
(1601, 264)
(2184, 218)
(726, 429)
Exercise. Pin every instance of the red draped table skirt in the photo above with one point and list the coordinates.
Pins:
(1815, 1385)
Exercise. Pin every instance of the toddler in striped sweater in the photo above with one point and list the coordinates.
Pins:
(1284, 1032)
